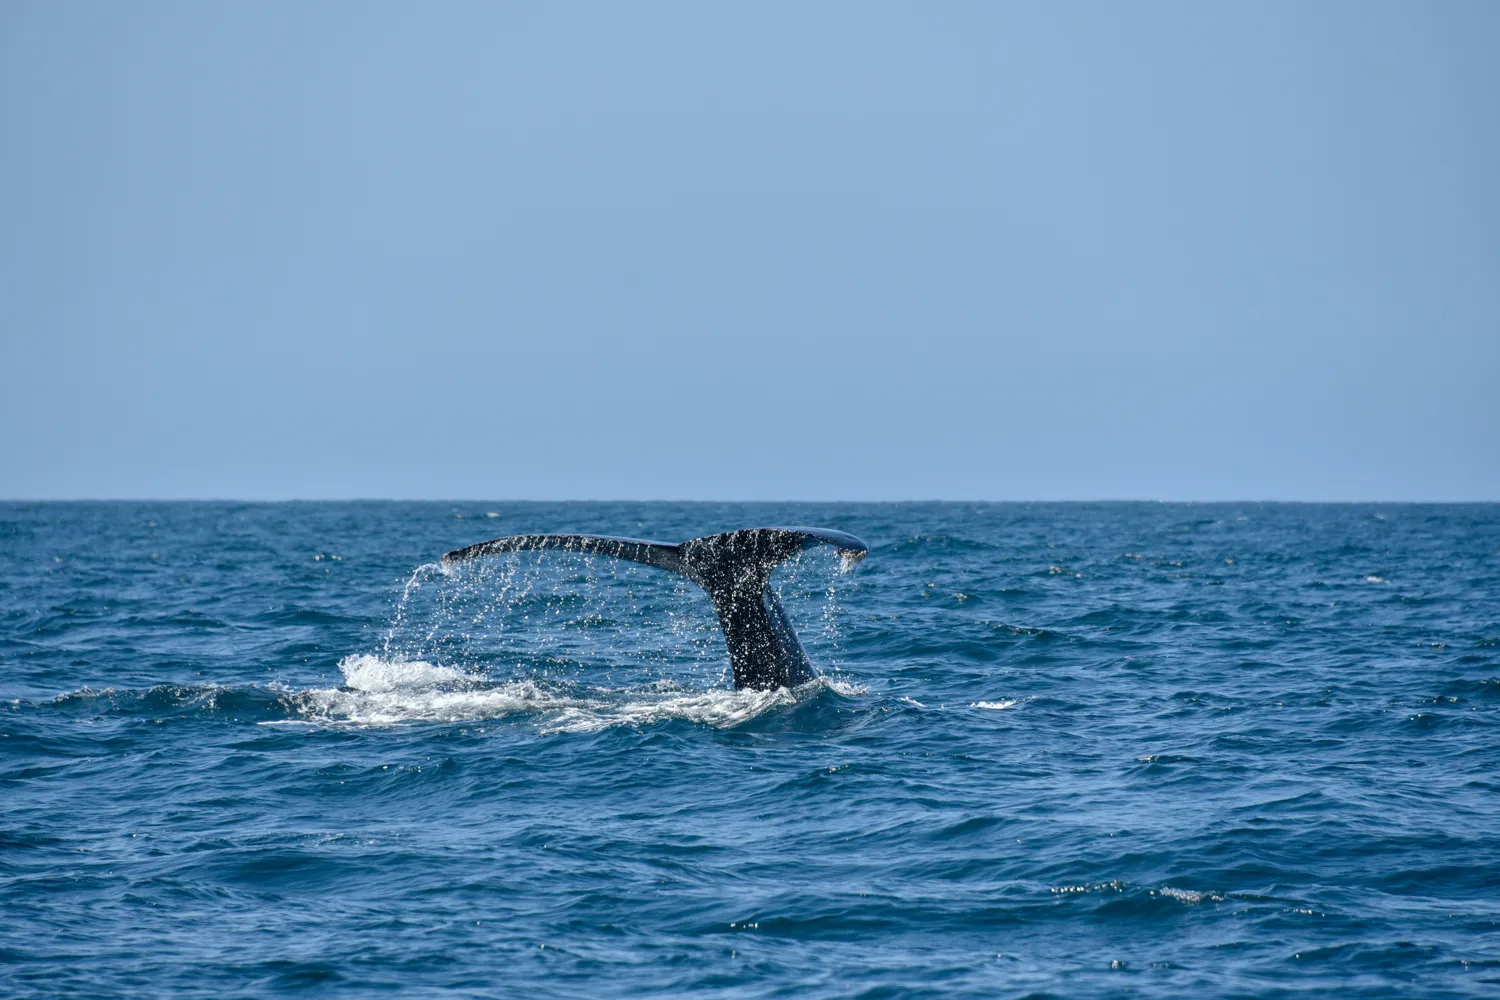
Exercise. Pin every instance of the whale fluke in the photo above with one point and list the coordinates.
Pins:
(734, 567)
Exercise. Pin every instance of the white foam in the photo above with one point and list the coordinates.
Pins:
(997, 706)
(381, 692)
(430, 703)
(1188, 896)
(371, 673)
(721, 709)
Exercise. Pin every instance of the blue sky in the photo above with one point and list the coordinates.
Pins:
(766, 251)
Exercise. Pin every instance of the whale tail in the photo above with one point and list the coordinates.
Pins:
(735, 568)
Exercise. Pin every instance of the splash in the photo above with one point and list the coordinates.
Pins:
(371, 673)
(575, 642)
(848, 559)
(590, 618)
(380, 693)
(553, 615)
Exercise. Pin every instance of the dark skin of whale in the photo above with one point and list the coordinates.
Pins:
(735, 568)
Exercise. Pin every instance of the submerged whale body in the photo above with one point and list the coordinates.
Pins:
(735, 568)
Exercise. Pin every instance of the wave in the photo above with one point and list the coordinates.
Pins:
(163, 701)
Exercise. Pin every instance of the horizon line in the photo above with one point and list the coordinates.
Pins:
(685, 500)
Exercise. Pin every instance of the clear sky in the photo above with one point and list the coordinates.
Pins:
(750, 251)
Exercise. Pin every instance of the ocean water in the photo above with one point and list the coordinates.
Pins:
(1057, 749)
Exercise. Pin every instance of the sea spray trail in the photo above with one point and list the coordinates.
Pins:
(1058, 749)
(565, 612)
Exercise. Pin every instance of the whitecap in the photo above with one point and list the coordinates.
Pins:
(1188, 896)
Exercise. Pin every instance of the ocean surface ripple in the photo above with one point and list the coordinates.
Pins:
(1056, 750)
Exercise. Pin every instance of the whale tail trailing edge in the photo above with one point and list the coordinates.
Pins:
(734, 567)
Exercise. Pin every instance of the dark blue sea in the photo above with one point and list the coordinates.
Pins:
(1056, 750)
